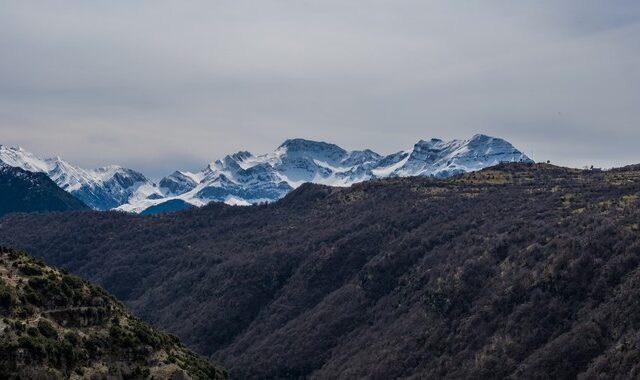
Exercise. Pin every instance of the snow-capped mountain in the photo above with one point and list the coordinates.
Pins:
(103, 188)
(243, 178)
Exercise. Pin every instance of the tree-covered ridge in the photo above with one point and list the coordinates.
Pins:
(517, 271)
(56, 325)
(23, 191)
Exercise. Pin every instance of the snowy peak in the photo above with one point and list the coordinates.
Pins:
(20, 158)
(103, 188)
(301, 148)
(243, 178)
(298, 144)
(229, 163)
(445, 158)
(431, 142)
(428, 152)
(491, 146)
(241, 156)
(67, 176)
(178, 183)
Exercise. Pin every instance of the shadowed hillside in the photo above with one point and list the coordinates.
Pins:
(23, 191)
(517, 271)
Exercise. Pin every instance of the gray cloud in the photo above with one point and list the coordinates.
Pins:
(156, 85)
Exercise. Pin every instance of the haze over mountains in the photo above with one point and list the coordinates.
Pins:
(243, 178)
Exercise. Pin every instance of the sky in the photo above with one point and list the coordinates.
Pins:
(159, 85)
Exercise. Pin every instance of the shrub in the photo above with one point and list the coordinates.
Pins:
(32, 331)
(30, 270)
(7, 299)
(47, 329)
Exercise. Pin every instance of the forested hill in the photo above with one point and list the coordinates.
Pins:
(57, 326)
(23, 191)
(517, 271)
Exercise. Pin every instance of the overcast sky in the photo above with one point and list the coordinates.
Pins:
(163, 85)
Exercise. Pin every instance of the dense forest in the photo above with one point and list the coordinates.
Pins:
(518, 271)
(57, 326)
(23, 191)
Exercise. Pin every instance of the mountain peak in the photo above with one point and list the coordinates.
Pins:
(18, 157)
(242, 177)
(481, 136)
(299, 144)
(103, 188)
(109, 168)
(428, 143)
(241, 155)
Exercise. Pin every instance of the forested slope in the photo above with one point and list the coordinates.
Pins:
(518, 271)
(23, 191)
(56, 326)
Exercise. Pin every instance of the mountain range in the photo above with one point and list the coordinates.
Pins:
(519, 271)
(101, 189)
(243, 178)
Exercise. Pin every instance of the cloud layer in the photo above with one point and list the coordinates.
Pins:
(159, 85)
